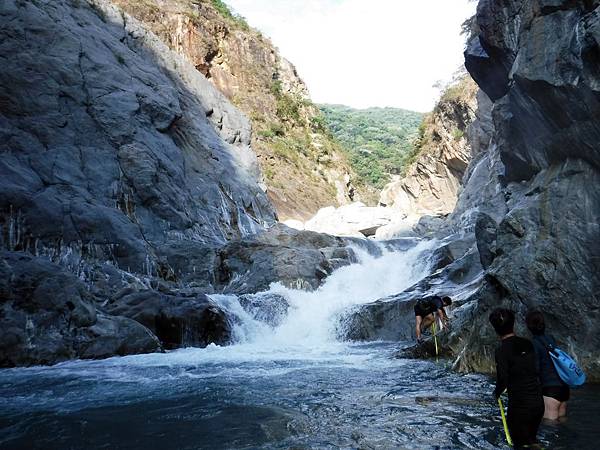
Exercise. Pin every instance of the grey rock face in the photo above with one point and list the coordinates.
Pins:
(109, 138)
(299, 259)
(539, 239)
(178, 320)
(121, 163)
(49, 316)
(547, 101)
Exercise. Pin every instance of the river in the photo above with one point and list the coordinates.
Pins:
(289, 385)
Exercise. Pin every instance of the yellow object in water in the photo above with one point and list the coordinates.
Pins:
(508, 438)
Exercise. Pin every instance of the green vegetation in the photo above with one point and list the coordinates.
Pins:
(457, 134)
(288, 106)
(224, 10)
(379, 142)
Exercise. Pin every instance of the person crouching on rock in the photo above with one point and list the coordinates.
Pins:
(556, 393)
(426, 312)
(516, 371)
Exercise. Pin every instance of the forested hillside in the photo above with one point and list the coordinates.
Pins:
(379, 141)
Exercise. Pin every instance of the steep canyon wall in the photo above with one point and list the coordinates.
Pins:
(525, 230)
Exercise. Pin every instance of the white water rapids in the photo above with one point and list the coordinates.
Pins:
(312, 318)
(293, 385)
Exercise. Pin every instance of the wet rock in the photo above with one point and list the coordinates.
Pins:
(265, 307)
(485, 235)
(392, 318)
(178, 320)
(425, 350)
(299, 259)
(48, 316)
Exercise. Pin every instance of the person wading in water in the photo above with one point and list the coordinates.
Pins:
(426, 311)
(516, 371)
(555, 391)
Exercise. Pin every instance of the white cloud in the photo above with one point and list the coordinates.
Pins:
(366, 53)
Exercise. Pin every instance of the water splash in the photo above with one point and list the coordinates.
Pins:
(313, 316)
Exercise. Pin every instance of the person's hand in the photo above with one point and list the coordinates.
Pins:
(420, 340)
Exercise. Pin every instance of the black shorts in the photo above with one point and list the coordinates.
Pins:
(423, 312)
(560, 393)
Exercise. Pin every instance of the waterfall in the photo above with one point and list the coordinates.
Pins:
(313, 316)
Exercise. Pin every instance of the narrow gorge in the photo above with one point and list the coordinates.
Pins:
(192, 256)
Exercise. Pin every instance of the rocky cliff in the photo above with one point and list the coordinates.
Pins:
(304, 168)
(526, 227)
(432, 182)
(126, 177)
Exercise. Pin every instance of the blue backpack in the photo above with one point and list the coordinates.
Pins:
(567, 368)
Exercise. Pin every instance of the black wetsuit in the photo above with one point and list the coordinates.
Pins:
(426, 306)
(516, 371)
(552, 385)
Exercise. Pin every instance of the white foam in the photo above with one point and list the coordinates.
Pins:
(310, 325)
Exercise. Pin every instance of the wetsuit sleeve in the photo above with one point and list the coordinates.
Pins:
(501, 372)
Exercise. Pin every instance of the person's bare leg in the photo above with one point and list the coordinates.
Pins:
(551, 406)
(562, 410)
(427, 321)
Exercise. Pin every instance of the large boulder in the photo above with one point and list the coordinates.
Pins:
(48, 316)
(177, 319)
(299, 259)
(355, 219)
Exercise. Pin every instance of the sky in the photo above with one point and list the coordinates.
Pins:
(364, 53)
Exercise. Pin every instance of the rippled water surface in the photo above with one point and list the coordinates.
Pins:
(285, 384)
(349, 396)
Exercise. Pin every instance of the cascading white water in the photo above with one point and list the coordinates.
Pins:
(312, 316)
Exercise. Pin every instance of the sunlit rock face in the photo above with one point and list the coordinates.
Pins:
(303, 169)
(120, 161)
(433, 181)
(530, 206)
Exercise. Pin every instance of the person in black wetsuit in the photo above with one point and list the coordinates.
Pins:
(425, 311)
(555, 391)
(516, 371)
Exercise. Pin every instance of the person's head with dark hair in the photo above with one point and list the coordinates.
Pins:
(447, 301)
(535, 322)
(503, 321)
